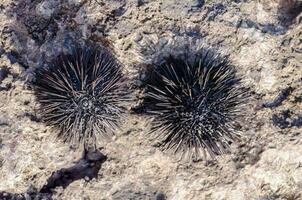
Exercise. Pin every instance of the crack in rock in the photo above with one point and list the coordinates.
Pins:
(279, 99)
(87, 167)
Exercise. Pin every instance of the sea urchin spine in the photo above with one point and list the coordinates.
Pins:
(195, 105)
(82, 95)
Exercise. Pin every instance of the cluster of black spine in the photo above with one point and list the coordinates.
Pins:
(82, 95)
(196, 105)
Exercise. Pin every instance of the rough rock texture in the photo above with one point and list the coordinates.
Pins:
(263, 40)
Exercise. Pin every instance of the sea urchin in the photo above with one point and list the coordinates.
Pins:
(195, 105)
(82, 95)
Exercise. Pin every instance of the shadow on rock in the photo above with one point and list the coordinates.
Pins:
(88, 166)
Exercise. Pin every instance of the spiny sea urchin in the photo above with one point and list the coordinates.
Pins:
(195, 105)
(82, 94)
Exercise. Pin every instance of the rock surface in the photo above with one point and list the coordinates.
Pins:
(263, 39)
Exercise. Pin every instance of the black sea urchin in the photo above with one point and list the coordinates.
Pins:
(195, 105)
(82, 95)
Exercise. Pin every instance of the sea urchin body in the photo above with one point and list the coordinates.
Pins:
(82, 95)
(195, 105)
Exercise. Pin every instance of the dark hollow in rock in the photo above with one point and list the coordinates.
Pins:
(281, 119)
(161, 196)
(196, 105)
(279, 99)
(286, 120)
(288, 10)
(87, 167)
(3, 73)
